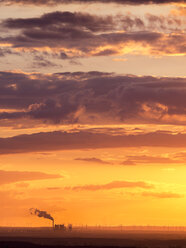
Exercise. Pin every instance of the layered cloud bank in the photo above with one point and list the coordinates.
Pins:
(87, 140)
(56, 2)
(91, 98)
(56, 37)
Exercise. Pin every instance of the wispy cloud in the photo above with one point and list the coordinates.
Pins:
(93, 160)
(144, 159)
(112, 185)
(164, 195)
(7, 177)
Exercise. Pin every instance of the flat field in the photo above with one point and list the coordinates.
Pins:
(46, 237)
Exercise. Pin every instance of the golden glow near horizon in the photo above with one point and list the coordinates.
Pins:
(93, 114)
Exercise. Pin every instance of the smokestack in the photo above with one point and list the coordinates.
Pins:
(41, 214)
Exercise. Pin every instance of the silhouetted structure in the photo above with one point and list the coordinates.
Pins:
(62, 227)
(70, 227)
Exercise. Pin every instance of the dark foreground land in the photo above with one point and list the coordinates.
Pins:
(91, 239)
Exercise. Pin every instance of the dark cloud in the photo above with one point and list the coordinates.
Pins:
(6, 51)
(93, 160)
(57, 2)
(92, 98)
(42, 61)
(112, 185)
(54, 141)
(87, 42)
(7, 177)
(54, 111)
(106, 52)
(63, 19)
(2, 53)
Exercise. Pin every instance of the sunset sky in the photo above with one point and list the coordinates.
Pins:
(93, 112)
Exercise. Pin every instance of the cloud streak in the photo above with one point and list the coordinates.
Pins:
(162, 195)
(112, 185)
(93, 160)
(7, 177)
(134, 160)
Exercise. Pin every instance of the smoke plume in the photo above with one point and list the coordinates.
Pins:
(44, 214)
